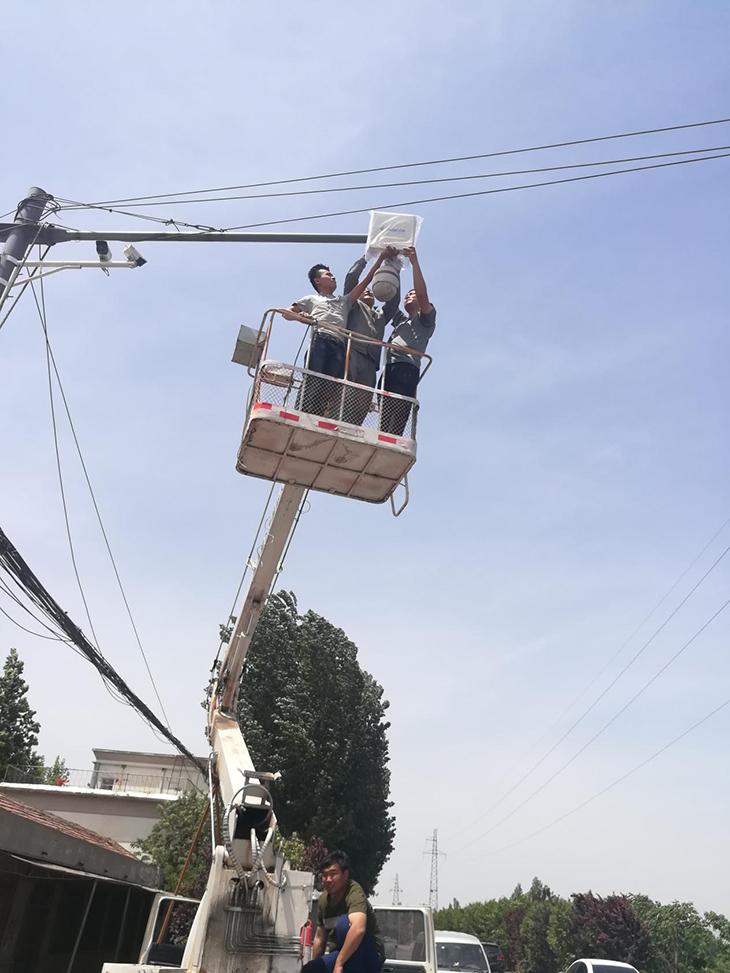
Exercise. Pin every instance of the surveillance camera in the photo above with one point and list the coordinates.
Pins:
(134, 256)
(102, 248)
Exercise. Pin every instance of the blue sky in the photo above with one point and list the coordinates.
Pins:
(572, 450)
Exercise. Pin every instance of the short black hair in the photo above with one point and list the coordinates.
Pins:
(336, 858)
(314, 274)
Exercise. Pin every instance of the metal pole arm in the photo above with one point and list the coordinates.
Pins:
(50, 234)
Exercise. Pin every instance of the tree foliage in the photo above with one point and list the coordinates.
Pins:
(168, 843)
(540, 932)
(682, 939)
(609, 928)
(18, 727)
(308, 710)
(57, 773)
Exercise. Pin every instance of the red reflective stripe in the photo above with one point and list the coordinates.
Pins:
(327, 425)
(262, 405)
(289, 415)
(388, 439)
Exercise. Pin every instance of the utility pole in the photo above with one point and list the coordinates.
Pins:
(433, 891)
(396, 891)
(20, 236)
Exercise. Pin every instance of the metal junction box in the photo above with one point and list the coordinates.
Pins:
(248, 349)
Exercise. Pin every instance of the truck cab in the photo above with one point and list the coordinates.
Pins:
(408, 935)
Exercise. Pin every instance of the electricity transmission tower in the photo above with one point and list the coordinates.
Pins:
(433, 891)
(396, 891)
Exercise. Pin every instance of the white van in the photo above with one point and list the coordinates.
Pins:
(458, 951)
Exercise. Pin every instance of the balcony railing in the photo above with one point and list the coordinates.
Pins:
(116, 781)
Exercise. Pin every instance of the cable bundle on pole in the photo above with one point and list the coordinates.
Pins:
(14, 564)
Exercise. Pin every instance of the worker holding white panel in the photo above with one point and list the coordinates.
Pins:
(412, 329)
(367, 319)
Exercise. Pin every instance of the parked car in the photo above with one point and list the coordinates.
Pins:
(600, 966)
(458, 951)
(495, 957)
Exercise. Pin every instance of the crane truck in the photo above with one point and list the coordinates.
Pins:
(253, 916)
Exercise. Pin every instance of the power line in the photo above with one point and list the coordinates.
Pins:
(603, 728)
(14, 564)
(42, 315)
(595, 679)
(614, 783)
(50, 359)
(413, 165)
(245, 572)
(36, 270)
(11, 594)
(77, 204)
(595, 701)
(483, 192)
(424, 182)
(38, 635)
(382, 206)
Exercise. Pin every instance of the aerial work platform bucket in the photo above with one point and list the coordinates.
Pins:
(297, 431)
(320, 432)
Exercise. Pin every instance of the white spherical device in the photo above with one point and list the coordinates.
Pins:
(386, 282)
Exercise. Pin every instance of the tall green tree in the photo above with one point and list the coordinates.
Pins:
(18, 727)
(682, 940)
(535, 937)
(559, 933)
(308, 710)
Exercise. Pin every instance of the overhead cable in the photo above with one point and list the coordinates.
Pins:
(249, 561)
(76, 204)
(42, 314)
(615, 783)
(423, 182)
(38, 635)
(13, 563)
(430, 162)
(23, 288)
(595, 679)
(592, 740)
(482, 192)
(51, 361)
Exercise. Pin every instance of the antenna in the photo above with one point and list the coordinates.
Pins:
(433, 891)
(396, 890)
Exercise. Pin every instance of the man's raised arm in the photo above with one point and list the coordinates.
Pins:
(359, 289)
(353, 274)
(419, 284)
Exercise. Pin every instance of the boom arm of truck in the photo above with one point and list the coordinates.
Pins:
(253, 908)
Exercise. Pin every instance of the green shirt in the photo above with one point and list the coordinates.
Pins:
(353, 900)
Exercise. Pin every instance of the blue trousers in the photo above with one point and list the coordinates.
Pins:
(365, 959)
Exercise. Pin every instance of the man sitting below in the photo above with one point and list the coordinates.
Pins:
(365, 319)
(346, 923)
(328, 313)
(412, 329)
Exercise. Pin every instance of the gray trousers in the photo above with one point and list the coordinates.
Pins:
(363, 370)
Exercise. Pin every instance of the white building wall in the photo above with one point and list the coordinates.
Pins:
(123, 817)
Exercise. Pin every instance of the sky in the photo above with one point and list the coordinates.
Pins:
(572, 479)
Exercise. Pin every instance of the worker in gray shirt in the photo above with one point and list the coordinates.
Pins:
(368, 320)
(328, 314)
(412, 328)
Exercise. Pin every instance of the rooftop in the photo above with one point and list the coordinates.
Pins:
(61, 825)
(141, 753)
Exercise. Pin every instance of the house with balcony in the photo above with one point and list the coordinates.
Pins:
(119, 797)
